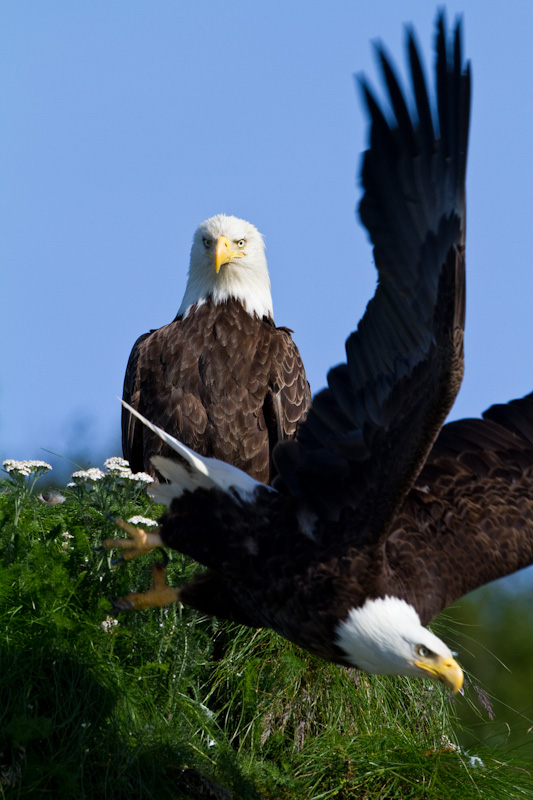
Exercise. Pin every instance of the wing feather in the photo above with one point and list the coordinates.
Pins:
(472, 505)
(368, 434)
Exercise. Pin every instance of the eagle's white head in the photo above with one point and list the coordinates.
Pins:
(385, 636)
(228, 261)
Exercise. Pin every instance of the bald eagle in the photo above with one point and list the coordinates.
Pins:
(221, 377)
(379, 516)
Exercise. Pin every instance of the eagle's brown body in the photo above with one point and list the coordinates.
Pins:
(222, 381)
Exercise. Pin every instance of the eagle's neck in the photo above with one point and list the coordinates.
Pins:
(251, 288)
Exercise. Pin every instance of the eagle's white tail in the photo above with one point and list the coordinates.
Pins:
(197, 472)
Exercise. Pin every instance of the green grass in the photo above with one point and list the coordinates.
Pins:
(170, 704)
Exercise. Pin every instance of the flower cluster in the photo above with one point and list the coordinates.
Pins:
(116, 465)
(108, 624)
(116, 483)
(26, 468)
(146, 521)
(141, 477)
(82, 475)
(117, 468)
(66, 536)
(18, 485)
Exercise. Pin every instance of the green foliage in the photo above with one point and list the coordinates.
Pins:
(493, 631)
(169, 704)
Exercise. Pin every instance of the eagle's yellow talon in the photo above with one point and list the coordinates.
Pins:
(159, 593)
(139, 543)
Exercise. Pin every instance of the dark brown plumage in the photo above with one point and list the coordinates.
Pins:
(467, 521)
(475, 496)
(378, 517)
(224, 381)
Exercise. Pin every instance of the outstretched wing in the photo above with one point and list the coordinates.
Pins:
(473, 500)
(368, 434)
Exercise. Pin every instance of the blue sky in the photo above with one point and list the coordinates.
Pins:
(125, 123)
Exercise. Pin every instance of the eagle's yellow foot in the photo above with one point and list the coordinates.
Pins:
(159, 593)
(140, 541)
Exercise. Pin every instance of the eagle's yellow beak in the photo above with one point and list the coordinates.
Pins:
(223, 252)
(445, 670)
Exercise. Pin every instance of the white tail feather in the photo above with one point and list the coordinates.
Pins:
(180, 480)
(199, 472)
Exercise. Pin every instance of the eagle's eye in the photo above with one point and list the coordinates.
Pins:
(423, 651)
(206, 242)
(241, 243)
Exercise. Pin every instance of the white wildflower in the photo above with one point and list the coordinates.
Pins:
(116, 462)
(26, 467)
(66, 536)
(38, 465)
(92, 474)
(138, 520)
(95, 474)
(143, 477)
(16, 466)
(475, 761)
(121, 475)
(118, 467)
(138, 477)
(108, 624)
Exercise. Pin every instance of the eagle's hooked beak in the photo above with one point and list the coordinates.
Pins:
(445, 670)
(223, 252)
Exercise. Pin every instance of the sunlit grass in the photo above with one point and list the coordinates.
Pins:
(169, 704)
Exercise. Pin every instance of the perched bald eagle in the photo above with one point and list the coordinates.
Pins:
(221, 377)
(379, 517)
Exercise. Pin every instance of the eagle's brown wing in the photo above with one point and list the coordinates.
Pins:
(469, 518)
(288, 398)
(367, 435)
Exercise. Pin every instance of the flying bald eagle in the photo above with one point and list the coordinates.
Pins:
(379, 517)
(221, 377)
